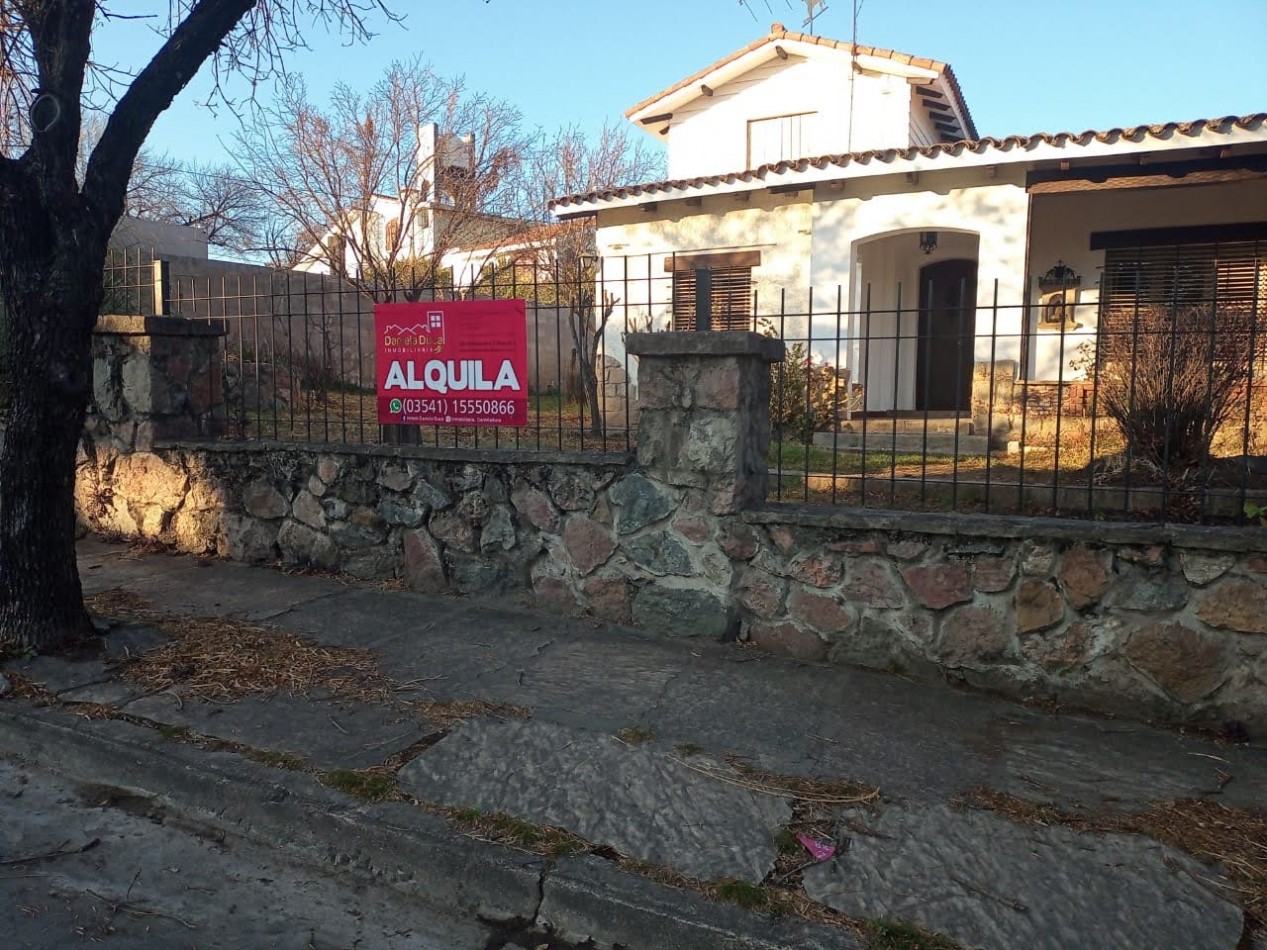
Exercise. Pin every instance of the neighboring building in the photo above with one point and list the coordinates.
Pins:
(846, 189)
(155, 239)
(417, 224)
(532, 255)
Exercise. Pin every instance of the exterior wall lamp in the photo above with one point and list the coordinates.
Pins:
(928, 241)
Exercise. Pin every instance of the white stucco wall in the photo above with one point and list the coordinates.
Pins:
(975, 215)
(709, 135)
(633, 246)
(1062, 228)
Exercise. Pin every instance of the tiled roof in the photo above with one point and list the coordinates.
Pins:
(1139, 133)
(779, 34)
(537, 234)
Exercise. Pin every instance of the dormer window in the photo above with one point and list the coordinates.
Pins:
(780, 138)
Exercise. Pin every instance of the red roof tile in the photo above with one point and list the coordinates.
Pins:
(1137, 133)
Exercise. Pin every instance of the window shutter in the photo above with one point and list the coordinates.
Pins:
(731, 302)
(1230, 278)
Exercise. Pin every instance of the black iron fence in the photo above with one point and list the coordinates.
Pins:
(1112, 402)
(300, 356)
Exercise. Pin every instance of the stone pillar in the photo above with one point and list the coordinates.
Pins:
(704, 412)
(155, 378)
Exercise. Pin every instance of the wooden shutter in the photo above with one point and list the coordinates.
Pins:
(731, 298)
(1228, 278)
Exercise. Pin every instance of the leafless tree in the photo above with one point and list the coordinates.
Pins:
(568, 163)
(352, 172)
(213, 198)
(54, 229)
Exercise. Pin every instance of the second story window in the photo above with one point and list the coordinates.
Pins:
(779, 138)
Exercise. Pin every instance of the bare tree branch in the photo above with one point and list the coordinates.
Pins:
(389, 180)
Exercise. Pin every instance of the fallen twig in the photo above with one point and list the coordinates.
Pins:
(53, 854)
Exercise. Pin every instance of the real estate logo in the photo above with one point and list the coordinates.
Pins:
(426, 336)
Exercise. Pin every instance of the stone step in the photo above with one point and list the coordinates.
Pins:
(916, 424)
(932, 443)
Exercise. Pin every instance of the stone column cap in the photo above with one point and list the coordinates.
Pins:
(128, 325)
(706, 343)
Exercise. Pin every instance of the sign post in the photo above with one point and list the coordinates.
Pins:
(452, 363)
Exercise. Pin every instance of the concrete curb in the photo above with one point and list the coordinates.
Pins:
(580, 898)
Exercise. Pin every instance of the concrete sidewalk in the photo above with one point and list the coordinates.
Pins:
(655, 763)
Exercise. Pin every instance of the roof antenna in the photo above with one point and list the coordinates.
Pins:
(853, 71)
(813, 10)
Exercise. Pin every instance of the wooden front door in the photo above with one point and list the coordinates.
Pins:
(947, 328)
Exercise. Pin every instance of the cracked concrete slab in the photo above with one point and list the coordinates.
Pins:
(326, 733)
(986, 882)
(631, 797)
(202, 587)
(60, 674)
(600, 684)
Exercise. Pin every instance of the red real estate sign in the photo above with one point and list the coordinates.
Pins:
(459, 363)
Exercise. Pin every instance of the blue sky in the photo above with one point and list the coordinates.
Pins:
(1024, 66)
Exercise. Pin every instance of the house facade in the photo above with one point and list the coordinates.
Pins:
(842, 194)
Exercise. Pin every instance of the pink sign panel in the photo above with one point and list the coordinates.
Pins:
(452, 363)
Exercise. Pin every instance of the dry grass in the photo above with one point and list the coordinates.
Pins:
(500, 828)
(451, 712)
(352, 417)
(369, 785)
(224, 660)
(816, 791)
(1234, 838)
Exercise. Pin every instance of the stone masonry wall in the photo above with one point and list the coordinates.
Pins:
(1146, 621)
(572, 533)
(1150, 621)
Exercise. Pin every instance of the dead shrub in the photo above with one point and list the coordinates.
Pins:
(1170, 377)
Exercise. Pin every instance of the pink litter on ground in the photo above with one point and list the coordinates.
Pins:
(820, 851)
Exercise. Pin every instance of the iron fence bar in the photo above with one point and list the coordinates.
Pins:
(1255, 302)
(835, 411)
(1170, 383)
(1204, 470)
(994, 376)
(1093, 369)
(808, 375)
(959, 320)
(782, 383)
(1060, 405)
(923, 365)
(897, 375)
(866, 396)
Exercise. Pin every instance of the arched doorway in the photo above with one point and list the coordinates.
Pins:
(947, 332)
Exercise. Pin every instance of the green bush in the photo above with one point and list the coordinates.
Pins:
(805, 397)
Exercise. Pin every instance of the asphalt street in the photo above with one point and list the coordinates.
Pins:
(90, 866)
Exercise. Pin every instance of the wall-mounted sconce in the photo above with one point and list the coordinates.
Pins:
(928, 241)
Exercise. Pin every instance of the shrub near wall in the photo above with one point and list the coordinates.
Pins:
(1149, 621)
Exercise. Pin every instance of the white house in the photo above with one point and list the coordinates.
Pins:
(844, 191)
(517, 259)
(422, 221)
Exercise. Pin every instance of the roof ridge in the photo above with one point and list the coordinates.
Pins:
(782, 33)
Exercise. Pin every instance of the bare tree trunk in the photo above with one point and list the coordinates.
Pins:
(50, 342)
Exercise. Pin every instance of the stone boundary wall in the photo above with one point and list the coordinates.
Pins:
(1153, 622)
(568, 532)
(1150, 621)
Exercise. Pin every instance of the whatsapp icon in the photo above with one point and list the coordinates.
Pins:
(396, 405)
